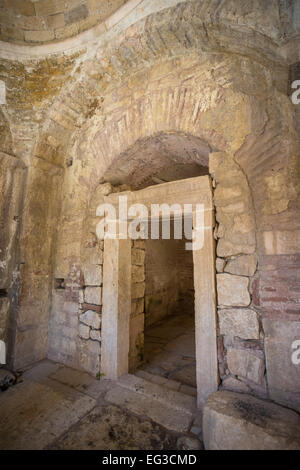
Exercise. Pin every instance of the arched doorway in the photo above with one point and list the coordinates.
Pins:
(124, 315)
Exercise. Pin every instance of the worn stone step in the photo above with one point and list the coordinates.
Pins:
(168, 383)
(169, 408)
(142, 405)
(171, 398)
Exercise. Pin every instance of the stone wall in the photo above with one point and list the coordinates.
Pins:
(44, 21)
(169, 279)
(70, 118)
(242, 351)
(240, 340)
(162, 280)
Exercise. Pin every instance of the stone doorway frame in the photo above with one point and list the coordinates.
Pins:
(117, 285)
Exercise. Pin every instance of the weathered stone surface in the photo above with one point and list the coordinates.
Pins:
(92, 275)
(239, 322)
(233, 290)
(91, 318)
(89, 356)
(242, 265)
(95, 335)
(220, 265)
(94, 432)
(137, 256)
(170, 408)
(52, 408)
(257, 424)
(79, 123)
(93, 295)
(235, 385)
(138, 290)
(246, 363)
(137, 306)
(84, 331)
(282, 360)
(229, 248)
(137, 274)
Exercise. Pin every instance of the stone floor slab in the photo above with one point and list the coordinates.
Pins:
(33, 414)
(112, 428)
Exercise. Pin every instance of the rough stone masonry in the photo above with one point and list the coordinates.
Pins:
(112, 96)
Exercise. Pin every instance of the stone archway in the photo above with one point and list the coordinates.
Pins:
(239, 119)
(117, 292)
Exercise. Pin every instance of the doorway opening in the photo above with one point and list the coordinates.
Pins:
(169, 312)
(135, 305)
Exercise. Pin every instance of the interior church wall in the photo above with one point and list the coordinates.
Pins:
(70, 117)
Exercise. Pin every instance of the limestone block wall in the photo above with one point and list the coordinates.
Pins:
(75, 323)
(44, 21)
(169, 279)
(240, 335)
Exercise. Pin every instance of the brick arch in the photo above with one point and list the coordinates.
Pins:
(153, 38)
(178, 98)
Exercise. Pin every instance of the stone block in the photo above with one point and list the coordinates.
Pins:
(67, 32)
(220, 265)
(137, 256)
(92, 255)
(241, 322)
(235, 385)
(233, 290)
(38, 36)
(21, 7)
(230, 248)
(233, 421)
(137, 274)
(138, 290)
(224, 195)
(92, 275)
(139, 244)
(137, 306)
(283, 371)
(91, 319)
(84, 331)
(246, 364)
(9, 33)
(242, 265)
(93, 295)
(95, 335)
(76, 14)
(29, 22)
(56, 21)
(46, 7)
(89, 355)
